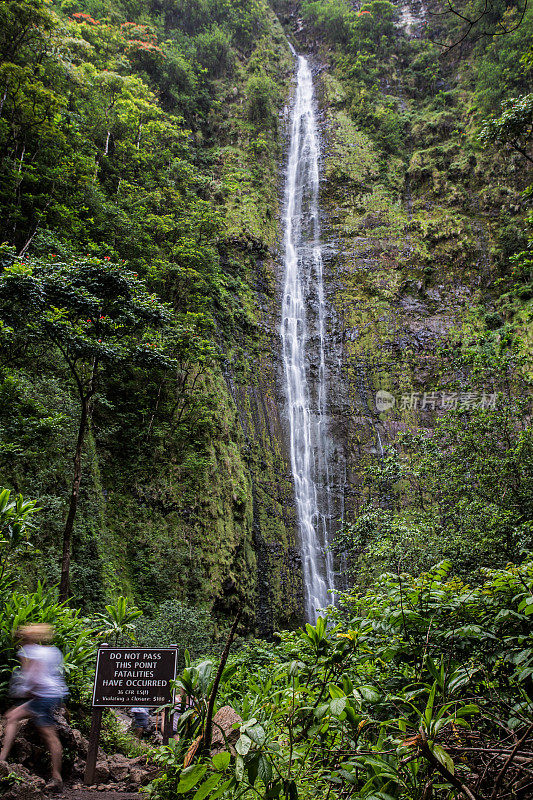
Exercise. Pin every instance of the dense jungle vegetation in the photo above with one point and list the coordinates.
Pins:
(139, 193)
(146, 492)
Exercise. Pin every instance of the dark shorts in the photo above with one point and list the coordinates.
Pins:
(140, 720)
(42, 710)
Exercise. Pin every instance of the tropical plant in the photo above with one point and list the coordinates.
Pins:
(513, 128)
(410, 687)
(73, 635)
(15, 522)
(118, 621)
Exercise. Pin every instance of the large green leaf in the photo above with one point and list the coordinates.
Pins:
(337, 705)
(243, 745)
(222, 788)
(189, 779)
(207, 787)
(221, 760)
(264, 769)
(444, 758)
(257, 734)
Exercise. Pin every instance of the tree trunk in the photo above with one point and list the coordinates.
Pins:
(64, 585)
(208, 730)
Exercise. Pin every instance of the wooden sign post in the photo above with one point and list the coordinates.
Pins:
(94, 741)
(130, 676)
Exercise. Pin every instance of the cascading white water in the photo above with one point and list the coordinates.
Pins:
(304, 287)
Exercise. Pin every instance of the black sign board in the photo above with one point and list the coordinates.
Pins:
(133, 676)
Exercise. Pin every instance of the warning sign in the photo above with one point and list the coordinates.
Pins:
(128, 676)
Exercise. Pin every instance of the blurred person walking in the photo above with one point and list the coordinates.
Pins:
(41, 680)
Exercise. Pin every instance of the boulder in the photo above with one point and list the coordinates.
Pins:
(28, 748)
(119, 767)
(78, 768)
(80, 742)
(30, 751)
(223, 722)
(101, 772)
(138, 777)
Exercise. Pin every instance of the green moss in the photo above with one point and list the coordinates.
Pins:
(353, 155)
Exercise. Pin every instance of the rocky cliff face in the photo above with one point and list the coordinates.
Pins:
(413, 223)
(260, 410)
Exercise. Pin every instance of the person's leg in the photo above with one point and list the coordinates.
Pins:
(51, 740)
(13, 717)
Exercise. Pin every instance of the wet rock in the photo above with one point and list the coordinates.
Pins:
(78, 768)
(138, 777)
(24, 751)
(413, 306)
(434, 294)
(29, 750)
(80, 742)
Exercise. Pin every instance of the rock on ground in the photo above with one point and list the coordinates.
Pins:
(115, 774)
(223, 722)
(17, 783)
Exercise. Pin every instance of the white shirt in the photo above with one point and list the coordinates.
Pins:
(43, 670)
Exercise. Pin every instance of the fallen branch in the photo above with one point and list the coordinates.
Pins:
(501, 774)
(444, 771)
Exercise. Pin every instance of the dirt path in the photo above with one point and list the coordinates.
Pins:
(70, 793)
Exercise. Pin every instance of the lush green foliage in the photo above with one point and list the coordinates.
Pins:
(74, 635)
(173, 622)
(443, 496)
(117, 623)
(139, 186)
(133, 166)
(383, 703)
(15, 516)
(514, 127)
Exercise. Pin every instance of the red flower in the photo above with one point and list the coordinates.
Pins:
(79, 17)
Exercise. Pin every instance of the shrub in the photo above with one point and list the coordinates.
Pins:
(213, 50)
(261, 93)
(177, 623)
(415, 684)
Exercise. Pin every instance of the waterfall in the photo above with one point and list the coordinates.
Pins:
(303, 293)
